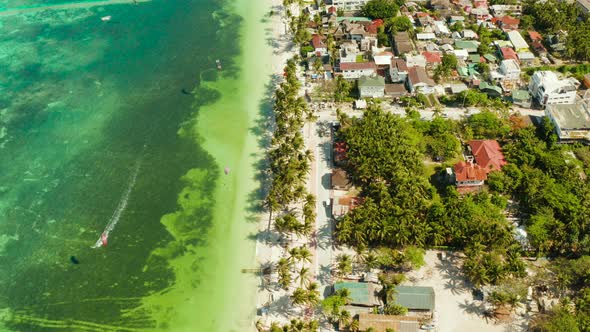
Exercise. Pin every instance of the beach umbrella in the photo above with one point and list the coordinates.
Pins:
(226, 170)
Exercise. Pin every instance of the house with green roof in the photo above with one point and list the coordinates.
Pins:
(361, 293)
(490, 90)
(468, 45)
(417, 299)
(521, 98)
(474, 58)
(490, 57)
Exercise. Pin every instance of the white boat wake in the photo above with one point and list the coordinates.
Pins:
(102, 240)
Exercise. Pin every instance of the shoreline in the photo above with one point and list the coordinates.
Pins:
(232, 133)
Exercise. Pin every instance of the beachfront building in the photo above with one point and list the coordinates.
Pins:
(384, 323)
(347, 4)
(418, 300)
(340, 179)
(572, 121)
(371, 87)
(355, 70)
(362, 294)
(546, 88)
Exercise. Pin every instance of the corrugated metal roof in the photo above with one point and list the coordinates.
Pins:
(361, 293)
(414, 297)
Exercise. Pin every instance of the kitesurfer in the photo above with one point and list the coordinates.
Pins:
(74, 260)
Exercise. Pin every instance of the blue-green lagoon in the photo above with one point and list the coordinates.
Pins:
(93, 118)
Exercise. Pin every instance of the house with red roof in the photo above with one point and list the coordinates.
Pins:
(433, 59)
(374, 26)
(487, 154)
(508, 23)
(468, 174)
(535, 36)
(508, 53)
(340, 149)
(319, 46)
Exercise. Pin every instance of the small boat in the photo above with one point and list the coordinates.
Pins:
(103, 239)
(106, 18)
(218, 62)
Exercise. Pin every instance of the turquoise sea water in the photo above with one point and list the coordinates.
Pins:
(83, 105)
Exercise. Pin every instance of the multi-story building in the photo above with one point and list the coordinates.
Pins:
(547, 88)
(353, 70)
(510, 69)
(371, 87)
(347, 4)
(398, 70)
(572, 122)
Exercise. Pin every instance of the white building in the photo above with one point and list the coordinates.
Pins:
(517, 40)
(353, 70)
(371, 87)
(503, 10)
(510, 69)
(572, 121)
(349, 4)
(349, 51)
(425, 36)
(548, 89)
(415, 60)
(441, 28)
(398, 70)
(584, 6)
(383, 58)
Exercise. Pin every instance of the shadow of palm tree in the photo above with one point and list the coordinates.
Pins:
(324, 234)
(325, 274)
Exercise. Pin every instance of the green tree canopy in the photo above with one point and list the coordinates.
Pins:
(380, 9)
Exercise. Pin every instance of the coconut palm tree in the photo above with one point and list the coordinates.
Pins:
(343, 265)
(354, 326)
(305, 254)
(344, 318)
(299, 296)
(370, 260)
(303, 275)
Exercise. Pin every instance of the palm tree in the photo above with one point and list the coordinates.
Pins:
(299, 297)
(313, 294)
(305, 254)
(354, 326)
(370, 260)
(343, 265)
(344, 293)
(303, 275)
(344, 318)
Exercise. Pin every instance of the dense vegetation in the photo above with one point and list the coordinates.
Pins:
(553, 16)
(381, 8)
(400, 206)
(569, 280)
(552, 191)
